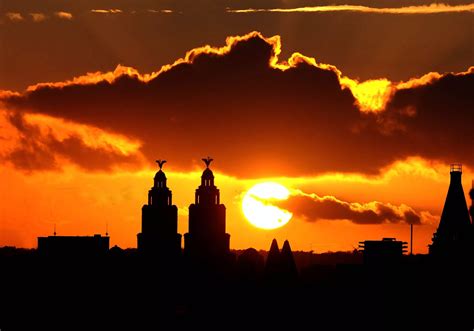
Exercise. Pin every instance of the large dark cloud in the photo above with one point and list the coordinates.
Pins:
(313, 208)
(257, 120)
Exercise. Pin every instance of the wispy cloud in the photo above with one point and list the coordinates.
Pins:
(38, 17)
(434, 8)
(14, 17)
(63, 15)
(160, 11)
(107, 11)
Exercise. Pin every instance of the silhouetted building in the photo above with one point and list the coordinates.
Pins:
(471, 209)
(280, 267)
(250, 265)
(206, 238)
(272, 264)
(387, 250)
(73, 246)
(454, 234)
(159, 236)
(288, 262)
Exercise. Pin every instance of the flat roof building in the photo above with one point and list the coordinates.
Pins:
(387, 250)
(73, 246)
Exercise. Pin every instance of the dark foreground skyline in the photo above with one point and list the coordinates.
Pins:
(206, 284)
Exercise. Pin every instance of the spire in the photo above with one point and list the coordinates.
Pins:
(454, 217)
(454, 225)
(207, 178)
(273, 265)
(288, 261)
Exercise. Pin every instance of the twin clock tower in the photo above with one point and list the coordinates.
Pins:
(206, 238)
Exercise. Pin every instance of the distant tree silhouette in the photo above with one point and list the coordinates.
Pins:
(249, 265)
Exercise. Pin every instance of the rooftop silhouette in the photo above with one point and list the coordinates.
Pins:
(73, 246)
(288, 286)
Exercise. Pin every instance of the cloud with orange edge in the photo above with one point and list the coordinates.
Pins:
(243, 98)
(434, 8)
(107, 11)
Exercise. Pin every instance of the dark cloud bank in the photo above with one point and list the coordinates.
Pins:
(254, 119)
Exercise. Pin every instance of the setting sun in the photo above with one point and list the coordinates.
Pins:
(258, 209)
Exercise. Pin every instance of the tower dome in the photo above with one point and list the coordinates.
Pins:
(207, 178)
(207, 174)
(160, 177)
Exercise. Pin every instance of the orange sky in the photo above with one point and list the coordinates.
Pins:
(81, 203)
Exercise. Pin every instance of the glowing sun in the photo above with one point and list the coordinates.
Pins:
(258, 209)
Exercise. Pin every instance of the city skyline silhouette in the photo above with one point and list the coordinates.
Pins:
(217, 278)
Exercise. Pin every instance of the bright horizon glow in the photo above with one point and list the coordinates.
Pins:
(257, 207)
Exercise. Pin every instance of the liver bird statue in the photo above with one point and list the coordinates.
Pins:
(207, 161)
(160, 163)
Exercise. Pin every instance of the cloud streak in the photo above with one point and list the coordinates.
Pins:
(434, 8)
(312, 207)
(106, 11)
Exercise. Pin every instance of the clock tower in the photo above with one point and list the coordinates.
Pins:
(207, 238)
(159, 236)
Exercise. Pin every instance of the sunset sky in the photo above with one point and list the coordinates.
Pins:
(357, 108)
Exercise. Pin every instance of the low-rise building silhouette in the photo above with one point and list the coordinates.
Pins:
(159, 236)
(387, 250)
(73, 246)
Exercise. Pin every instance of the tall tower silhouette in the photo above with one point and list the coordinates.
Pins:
(159, 236)
(206, 238)
(454, 235)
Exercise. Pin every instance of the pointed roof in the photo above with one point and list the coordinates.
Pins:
(272, 265)
(288, 261)
(455, 218)
(454, 230)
